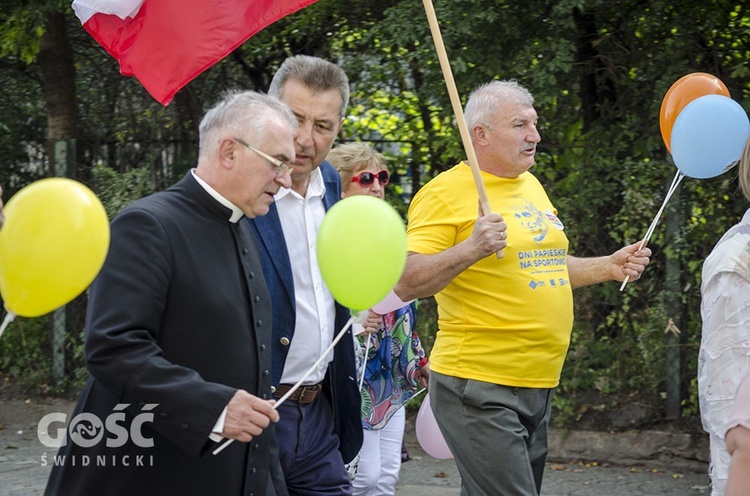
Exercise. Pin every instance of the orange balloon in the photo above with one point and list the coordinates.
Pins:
(683, 91)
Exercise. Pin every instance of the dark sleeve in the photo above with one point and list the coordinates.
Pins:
(124, 321)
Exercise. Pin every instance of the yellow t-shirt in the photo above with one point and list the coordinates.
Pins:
(505, 321)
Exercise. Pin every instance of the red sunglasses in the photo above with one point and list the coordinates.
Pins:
(366, 178)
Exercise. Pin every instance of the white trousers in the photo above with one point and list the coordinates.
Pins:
(380, 458)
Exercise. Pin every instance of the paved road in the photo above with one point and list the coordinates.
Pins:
(23, 474)
(424, 476)
(659, 475)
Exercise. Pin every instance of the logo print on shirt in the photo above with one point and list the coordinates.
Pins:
(531, 219)
(552, 218)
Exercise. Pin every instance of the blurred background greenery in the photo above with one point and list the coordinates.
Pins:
(598, 69)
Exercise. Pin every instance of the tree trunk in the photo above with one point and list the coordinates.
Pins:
(596, 86)
(58, 86)
(58, 83)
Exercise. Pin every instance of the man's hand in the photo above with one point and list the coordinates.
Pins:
(423, 375)
(367, 322)
(247, 416)
(489, 235)
(425, 275)
(373, 323)
(629, 261)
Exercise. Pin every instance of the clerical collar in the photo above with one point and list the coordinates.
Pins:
(237, 214)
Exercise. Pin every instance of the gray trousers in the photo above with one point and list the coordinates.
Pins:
(497, 434)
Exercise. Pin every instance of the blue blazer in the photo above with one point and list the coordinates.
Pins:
(340, 382)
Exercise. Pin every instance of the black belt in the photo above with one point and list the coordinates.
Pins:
(303, 394)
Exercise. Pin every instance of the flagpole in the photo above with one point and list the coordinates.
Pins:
(484, 202)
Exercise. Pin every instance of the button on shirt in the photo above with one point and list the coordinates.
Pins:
(315, 306)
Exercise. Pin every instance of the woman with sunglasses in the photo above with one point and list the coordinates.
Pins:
(389, 351)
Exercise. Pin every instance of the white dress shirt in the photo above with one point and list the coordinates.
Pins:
(315, 307)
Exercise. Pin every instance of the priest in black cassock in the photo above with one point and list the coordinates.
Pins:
(178, 327)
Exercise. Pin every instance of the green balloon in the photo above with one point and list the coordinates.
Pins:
(361, 250)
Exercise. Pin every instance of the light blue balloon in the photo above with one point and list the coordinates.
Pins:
(709, 135)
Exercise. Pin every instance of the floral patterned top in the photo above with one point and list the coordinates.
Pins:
(394, 356)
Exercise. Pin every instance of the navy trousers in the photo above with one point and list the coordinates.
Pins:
(309, 449)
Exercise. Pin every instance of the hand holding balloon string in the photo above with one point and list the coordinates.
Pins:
(703, 128)
(343, 241)
(675, 182)
(371, 323)
(304, 376)
(364, 364)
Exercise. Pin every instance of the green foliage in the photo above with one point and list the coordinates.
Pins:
(598, 71)
(118, 190)
(27, 359)
(27, 354)
(20, 32)
(75, 363)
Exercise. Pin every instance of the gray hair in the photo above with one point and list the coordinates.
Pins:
(241, 111)
(484, 101)
(317, 74)
(350, 158)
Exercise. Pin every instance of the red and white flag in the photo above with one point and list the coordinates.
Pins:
(167, 43)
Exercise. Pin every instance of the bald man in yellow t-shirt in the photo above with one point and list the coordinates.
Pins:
(504, 324)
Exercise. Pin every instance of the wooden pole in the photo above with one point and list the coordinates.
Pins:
(471, 157)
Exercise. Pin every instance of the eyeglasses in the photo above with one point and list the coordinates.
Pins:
(280, 167)
(366, 178)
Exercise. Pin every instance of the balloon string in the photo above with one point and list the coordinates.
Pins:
(675, 182)
(364, 365)
(415, 395)
(9, 317)
(306, 374)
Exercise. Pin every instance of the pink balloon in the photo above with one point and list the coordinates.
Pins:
(428, 433)
(390, 303)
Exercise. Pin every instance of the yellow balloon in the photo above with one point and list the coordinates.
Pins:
(52, 245)
(361, 250)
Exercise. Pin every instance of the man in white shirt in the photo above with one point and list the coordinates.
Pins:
(319, 430)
